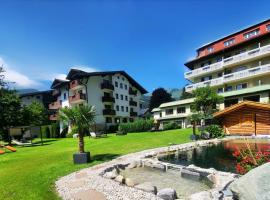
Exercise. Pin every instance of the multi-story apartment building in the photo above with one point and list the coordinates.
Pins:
(236, 66)
(43, 97)
(115, 95)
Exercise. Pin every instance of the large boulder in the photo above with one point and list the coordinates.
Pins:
(254, 185)
(147, 187)
(129, 182)
(120, 179)
(112, 174)
(167, 194)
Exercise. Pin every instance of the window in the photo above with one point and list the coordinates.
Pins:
(230, 102)
(118, 77)
(238, 69)
(122, 97)
(229, 42)
(220, 90)
(207, 78)
(123, 78)
(251, 34)
(126, 87)
(108, 107)
(241, 86)
(219, 59)
(121, 85)
(228, 88)
(220, 74)
(126, 109)
(160, 114)
(108, 120)
(116, 96)
(122, 108)
(141, 106)
(126, 97)
(181, 110)
(210, 49)
(117, 108)
(65, 96)
(116, 84)
(268, 27)
(255, 98)
(169, 111)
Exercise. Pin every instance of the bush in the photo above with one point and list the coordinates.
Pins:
(136, 126)
(215, 131)
(45, 131)
(171, 126)
(112, 129)
(55, 130)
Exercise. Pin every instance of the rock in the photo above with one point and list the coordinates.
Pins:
(135, 164)
(147, 187)
(205, 195)
(254, 184)
(120, 179)
(112, 174)
(129, 182)
(167, 194)
(190, 174)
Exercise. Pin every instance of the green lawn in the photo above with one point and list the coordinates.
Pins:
(30, 173)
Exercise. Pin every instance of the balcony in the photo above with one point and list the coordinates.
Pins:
(75, 85)
(55, 105)
(108, 99)
(233, 77)
(77, 98)
(53, 117)
(133, 103)
(132, 92)
(109, 112)
(56, 92)
(106, 85)
(133, 114)
(237, 59)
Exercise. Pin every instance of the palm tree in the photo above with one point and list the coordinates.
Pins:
(82, 117)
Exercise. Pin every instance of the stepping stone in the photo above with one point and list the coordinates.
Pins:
(89, 195)
(76, 184)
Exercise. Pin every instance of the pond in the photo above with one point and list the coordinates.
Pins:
(169, 179)
(219, 156)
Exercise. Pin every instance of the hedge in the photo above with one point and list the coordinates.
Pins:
(136, 126)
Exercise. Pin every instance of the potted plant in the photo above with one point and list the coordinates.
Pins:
(82, 117)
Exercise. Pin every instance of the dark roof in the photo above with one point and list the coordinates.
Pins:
(35, 93)
(58, 82)
(77, 74)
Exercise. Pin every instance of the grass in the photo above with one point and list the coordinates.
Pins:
(31, 172)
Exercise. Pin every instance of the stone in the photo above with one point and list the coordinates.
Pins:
(89, 194)
(205, 195)
(132, 165)
(167, 194)
(147, 187)
(120, 179)
(81, 158)
(129, 182)
(76, 184)
(112, 174)
(190, 174)
(253, 185)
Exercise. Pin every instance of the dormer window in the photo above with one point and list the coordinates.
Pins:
(251, 34)
(210, 49)
(229, 42)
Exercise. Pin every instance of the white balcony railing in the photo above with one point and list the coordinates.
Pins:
(229, 61)
(252, 72)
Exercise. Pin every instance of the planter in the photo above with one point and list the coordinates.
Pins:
(81, 158)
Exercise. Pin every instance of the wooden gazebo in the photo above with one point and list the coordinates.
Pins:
(246, 118)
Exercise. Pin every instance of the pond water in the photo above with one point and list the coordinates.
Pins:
(216, 156)
(169, 179)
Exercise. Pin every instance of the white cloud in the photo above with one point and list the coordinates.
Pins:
(85, 68)
(19, 79)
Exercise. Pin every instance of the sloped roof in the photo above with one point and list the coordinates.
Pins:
(76, 74)
(177, 103)
(244, 104)
(58, 82)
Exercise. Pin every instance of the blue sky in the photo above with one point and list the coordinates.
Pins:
(150, 40)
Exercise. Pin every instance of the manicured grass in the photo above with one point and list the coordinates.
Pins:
(31, 172)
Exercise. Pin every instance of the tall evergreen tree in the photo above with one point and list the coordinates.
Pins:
(159, 96)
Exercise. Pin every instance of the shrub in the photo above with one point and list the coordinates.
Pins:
(136, 126)
(215, 131)
(112, 129)
(45, 131)
(171, 126)
(55, 130)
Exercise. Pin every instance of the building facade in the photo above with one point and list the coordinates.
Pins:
(115, 95)
(43, 97)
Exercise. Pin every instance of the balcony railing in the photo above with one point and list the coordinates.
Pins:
(229, 61)
(132, 92)
(77, 98)
(55, 105)
(107, 85)
(56, 92)
(75, 84)
(252, 72)
(132, 103)
(53, 117)
(133, 114)
(108, 99)
(109, 112)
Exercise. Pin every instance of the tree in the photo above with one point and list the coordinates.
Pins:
(186, 95)
(2, 77)
(10, 111)
(158, 97)
(82, 117)
(35, 114)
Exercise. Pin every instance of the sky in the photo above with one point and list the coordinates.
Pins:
(150, 40)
